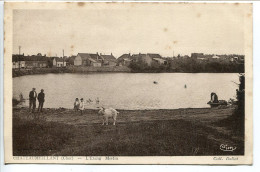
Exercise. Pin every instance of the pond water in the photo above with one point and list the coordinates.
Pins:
(129, 90)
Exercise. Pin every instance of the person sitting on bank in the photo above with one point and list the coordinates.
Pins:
(213, 97)
(41, 100)
(32, 100)
(81, 106)
(76, 104)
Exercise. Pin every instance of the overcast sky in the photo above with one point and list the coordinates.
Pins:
(178, 29)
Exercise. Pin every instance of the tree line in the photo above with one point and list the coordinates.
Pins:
(187, 65)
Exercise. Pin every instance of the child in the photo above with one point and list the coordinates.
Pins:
(76, 104)
(81, 106)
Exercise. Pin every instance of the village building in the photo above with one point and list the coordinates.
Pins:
(34, 61)
(155, 58)
(87, 59)
(18, 61)
(108, 60)
(215, 57)
(234, 59)
(37, 61)
(148, 58)
(204, 57)
(58, 62)
(196, 55)
(124, 60)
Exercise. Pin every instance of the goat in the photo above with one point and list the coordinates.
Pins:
(106, 113)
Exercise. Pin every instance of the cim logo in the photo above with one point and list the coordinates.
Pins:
(225, 147)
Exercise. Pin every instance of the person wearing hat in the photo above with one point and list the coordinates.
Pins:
(32, 100)
(81, 106)
(41, 96)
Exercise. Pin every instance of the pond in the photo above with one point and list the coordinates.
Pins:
(129, 90)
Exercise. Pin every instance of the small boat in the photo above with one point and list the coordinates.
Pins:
(155, 82)
(217, 104)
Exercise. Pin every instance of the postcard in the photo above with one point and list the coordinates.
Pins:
(128, 83)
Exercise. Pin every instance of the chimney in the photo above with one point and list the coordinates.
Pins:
(111, 54)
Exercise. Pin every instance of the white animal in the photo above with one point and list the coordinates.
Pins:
(106, 113)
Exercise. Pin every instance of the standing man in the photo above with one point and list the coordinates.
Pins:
(41, 96)
(32, 100)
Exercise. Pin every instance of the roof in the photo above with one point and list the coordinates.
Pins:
(35, 58)
(91, 57)
(154, 55)
(108, 58)
(124, 56)
(16, 57)
(137, 55)
(92, 60)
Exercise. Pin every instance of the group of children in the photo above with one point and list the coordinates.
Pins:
(79, 105)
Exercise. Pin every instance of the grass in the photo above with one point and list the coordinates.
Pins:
(39, 137)
(173, 137)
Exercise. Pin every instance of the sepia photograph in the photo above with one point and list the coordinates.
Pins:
(100, 82)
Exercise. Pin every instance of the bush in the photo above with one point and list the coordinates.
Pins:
(15, 102)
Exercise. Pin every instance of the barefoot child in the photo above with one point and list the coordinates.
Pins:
(81, 106)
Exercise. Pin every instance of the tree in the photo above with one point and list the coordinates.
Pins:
(239, 113)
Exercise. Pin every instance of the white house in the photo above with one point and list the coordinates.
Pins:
(58, 62)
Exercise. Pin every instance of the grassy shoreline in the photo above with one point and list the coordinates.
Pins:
(87, 70)
(172, 132)
(35, 71)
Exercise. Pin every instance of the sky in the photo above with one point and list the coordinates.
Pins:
(168, 30)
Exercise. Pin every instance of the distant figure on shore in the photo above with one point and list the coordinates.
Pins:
(32, 100)
(41, 100)
(76, 104)
(213, 97)
(185, 86)
(97, 100)
(81, 106)
(21, 97)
